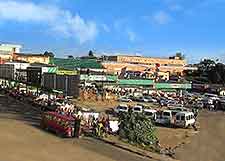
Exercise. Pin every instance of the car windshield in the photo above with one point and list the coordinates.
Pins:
(122, 108)
(148, 113)
(137, 109)
(166, 113)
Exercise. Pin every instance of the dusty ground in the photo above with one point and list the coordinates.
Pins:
(209, 144)
(21, 139)
(171, 137)
(105, 105)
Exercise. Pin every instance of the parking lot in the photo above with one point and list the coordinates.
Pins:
(22, 139)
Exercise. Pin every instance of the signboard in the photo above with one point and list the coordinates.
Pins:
(172, 86)
(67, 72)
(109, 78)
(135, 82)
(49, 69)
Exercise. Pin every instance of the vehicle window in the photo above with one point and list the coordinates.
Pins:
(166, 113)
(124, 108)
(137, 109)
(187, 118)
(174, 112)
(148, 113)
(182, 118)
(178, 117)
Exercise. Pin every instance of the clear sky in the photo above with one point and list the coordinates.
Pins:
(147, 27)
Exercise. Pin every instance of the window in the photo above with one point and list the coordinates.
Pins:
(166, 113)
(148, 113)
(187, 117)
(182, 118)
(178, 117)
(137, 109)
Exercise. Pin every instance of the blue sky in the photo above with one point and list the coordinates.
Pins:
(142, 27)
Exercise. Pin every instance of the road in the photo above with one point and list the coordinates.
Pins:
(22, 139)
(209, 144)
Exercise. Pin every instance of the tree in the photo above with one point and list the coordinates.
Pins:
(90, 53)
(70, 57)
(137, 128)
(180, 55)
(50, 54)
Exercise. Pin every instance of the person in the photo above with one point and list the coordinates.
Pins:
(77, 127)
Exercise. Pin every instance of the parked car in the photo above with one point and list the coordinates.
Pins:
(137, 109)
(175, 110)
(199, 105)
(121, 108)
(124, 99)
(150, 113)
(174, 104)
(184, 119)
(149, 99)
(164, 118)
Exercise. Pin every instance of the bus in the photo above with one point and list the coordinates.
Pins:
(62, 125)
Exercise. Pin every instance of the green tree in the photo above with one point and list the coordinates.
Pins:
(90, 53)
(50, 54)
(137, 128)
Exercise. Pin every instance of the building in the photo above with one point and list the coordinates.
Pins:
(31, 58)
(173, 65)
(7, 50)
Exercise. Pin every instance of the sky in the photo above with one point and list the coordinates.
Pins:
(155, 28)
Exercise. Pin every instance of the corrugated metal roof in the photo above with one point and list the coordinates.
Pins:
(76, 63)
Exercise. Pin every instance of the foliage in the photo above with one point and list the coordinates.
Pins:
(50, 54)
(70, 57)
(137, 128)
(180, 55)
(208, 72)
(90, 53)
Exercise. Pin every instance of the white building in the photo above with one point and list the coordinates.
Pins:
(7, 50)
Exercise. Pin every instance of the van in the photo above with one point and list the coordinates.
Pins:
(175, 110)
(184, 119)
(150, 113)
(137, 109)
(121, 108)
(164, 118)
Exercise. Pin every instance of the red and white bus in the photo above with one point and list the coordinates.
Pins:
(62, 125)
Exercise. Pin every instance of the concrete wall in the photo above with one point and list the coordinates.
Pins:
(32, 58)
(148, 60)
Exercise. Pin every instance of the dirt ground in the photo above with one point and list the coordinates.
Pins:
(101, 106)
(171, 137)
(21, 139)
(209, 143)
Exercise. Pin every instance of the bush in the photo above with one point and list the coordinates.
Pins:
(137, 128)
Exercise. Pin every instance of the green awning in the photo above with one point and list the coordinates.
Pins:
(141, 82)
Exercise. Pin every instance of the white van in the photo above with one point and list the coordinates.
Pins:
(184, 119)
(150, 113)
(137, 109)
(165, 117)
(121, 108)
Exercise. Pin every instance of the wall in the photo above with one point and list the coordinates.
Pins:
(114, 67)
(32, 58)
(6, 51)
(147, 60)
(69, 84)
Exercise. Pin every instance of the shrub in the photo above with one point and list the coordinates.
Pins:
(137, 128)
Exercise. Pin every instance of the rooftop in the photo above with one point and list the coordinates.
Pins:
(76, 63)
(31, 54)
